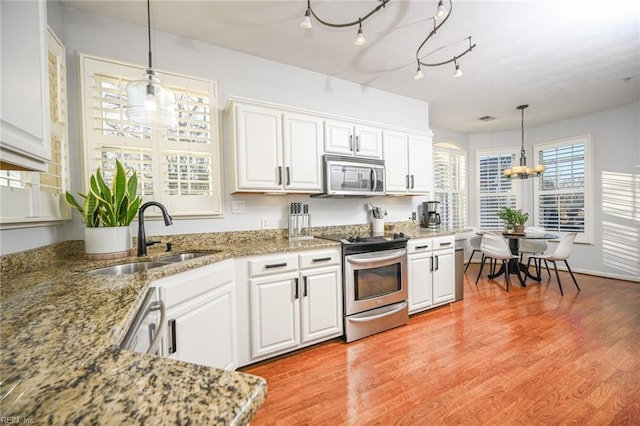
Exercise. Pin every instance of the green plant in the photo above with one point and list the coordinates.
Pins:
(109, 207)
(513, 217)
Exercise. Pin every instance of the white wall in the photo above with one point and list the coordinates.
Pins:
(615, 196)
(239, 75)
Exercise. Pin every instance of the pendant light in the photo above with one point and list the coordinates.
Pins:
(522, 171)
(149, 103)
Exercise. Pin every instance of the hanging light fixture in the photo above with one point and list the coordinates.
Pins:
(457, 72)
(150, 103)
(522, 171)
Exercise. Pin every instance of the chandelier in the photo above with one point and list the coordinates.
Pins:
(148, 102)
(440, 17)
(522, 171)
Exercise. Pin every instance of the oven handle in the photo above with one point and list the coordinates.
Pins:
(375, 180)
(375, 317)
(370, 257)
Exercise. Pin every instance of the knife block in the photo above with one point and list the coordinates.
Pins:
(300, 226)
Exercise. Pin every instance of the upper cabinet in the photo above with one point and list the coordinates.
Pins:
(408, 163)
(274, 150)
(24, 116)
(345, 138)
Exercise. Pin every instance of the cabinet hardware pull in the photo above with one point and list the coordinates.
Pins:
(295, 281)
(407, 184)
(173, 344)
(275, 265)
(357, 143)
(422, 247)
(412, 182)
(288, 170)
(304, 290)
(444, 244)
(279, 175)
(350, 142)
(437, 263)
(431, 262)
(321, 259)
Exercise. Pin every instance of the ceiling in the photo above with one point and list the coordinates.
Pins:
(564, 58)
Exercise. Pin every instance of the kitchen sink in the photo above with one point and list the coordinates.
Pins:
(128, 268)
(186, 256)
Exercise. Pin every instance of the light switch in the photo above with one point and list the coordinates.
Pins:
(238, 207)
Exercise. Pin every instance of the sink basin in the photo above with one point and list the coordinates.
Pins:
(128, 268)
(186, 256)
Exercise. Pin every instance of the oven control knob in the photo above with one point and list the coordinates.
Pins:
(397, 236)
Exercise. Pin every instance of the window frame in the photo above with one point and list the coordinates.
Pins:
(155, 142)
(585, 237)
(516, 190)
(452, 150)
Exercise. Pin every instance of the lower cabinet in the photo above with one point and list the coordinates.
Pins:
(200, 324)
(290, 309)
(431, 272)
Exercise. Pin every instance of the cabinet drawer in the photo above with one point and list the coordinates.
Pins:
(273, 264)
(319, 258)
(419, 245)
(444, 242)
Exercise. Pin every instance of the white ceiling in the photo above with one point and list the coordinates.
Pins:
(564, 58)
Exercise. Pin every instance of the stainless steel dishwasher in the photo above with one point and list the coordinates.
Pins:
(459, 273)
(145, 333)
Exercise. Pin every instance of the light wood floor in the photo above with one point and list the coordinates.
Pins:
(526, 357)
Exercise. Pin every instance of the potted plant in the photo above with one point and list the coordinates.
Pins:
(107, 213)
(514, 219)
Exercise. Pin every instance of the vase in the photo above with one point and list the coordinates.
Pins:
(102, 243)
(518, 229)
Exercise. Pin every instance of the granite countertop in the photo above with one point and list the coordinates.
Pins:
(61, 328)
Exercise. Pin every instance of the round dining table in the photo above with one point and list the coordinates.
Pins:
(514, 265)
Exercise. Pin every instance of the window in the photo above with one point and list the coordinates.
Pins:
(178, 167)
(562, 193)
(450, 184)
(30, 198)
(494, 190)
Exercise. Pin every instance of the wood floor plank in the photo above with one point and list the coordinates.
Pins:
(526, 357)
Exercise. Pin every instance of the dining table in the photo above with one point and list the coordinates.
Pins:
(514, 265)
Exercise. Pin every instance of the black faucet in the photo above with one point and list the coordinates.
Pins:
(142, 237)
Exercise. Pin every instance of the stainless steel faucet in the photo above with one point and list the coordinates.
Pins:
(142, 237)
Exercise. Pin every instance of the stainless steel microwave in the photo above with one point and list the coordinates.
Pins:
(352, 177)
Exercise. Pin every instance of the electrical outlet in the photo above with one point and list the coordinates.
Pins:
(413, 215)
(264, 223)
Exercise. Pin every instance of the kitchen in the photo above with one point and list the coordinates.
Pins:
(237, 75)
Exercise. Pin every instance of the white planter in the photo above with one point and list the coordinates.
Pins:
(107, 242)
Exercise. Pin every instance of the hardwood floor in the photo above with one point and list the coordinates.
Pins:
(526, 357)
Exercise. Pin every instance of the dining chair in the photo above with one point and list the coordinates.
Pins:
(494, 246)
(474, 242)
(529, 247)
(562, 252)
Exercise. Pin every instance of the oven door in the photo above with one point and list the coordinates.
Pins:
(375, 279)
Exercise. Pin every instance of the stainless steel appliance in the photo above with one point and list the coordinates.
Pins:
(374, 282)
(352, 177)
(430, 216)
(145, 333)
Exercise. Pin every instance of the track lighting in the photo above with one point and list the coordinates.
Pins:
(419, 75)
(306, 22)
(457, 72)
(360, 40)
(148, 102)
(441, 12)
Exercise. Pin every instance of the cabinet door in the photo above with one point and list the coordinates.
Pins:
(368, 142)
(258, 133)
(24, 113)
(275, 314)
(443, 276)
(203, 331)
(303, 139)
(338, 137)
(420, 282)
(395, 158)
(420, 164)
(321, 304)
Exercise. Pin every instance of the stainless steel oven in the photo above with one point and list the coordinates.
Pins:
(375, 284)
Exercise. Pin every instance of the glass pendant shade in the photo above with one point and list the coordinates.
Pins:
(149, 103)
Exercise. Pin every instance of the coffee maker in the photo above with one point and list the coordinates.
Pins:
(430, 216)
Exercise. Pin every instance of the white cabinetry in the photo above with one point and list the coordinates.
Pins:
(408, 163)
(431, 272)
(274, 150)
(345, 138)
(201, 315)
(24, 113)
(295, 300)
